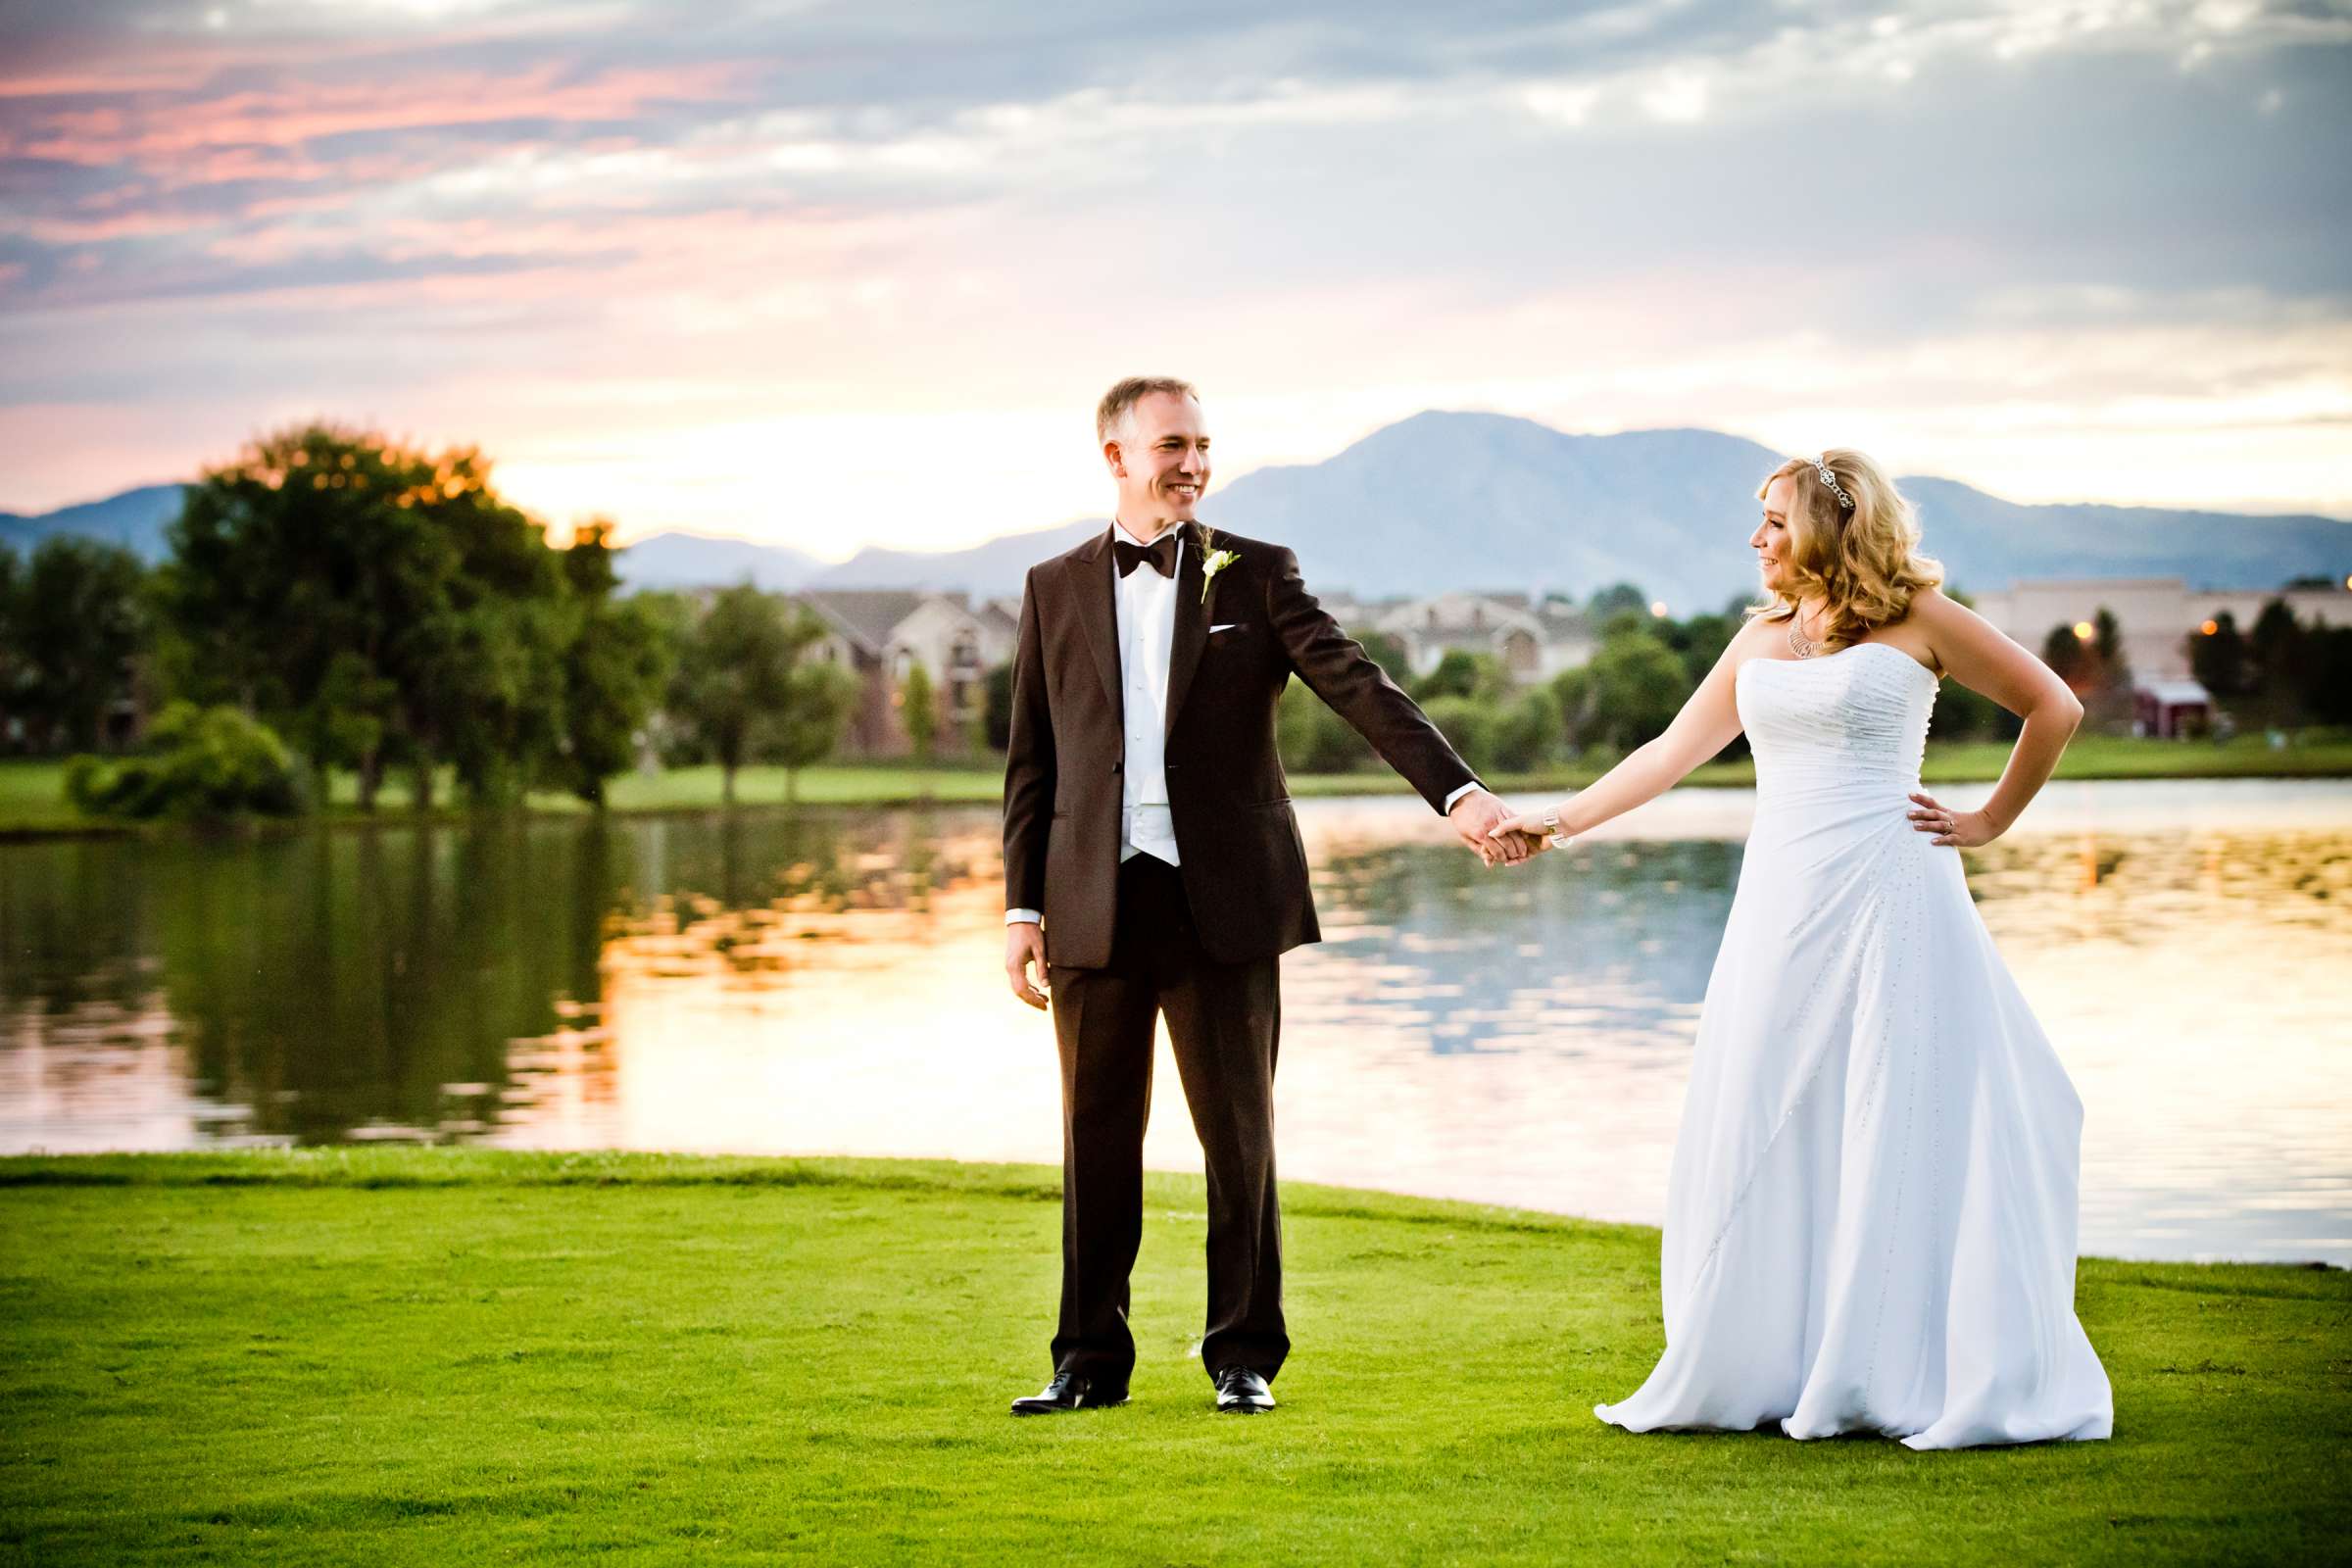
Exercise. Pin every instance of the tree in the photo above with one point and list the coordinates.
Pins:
(734, 671)
(1527, 733)
(2107, 641)
(995, 708)
(1700, 640)
(2064, 651)
(613, 668)
(2328, 672)
(819, 700)
(670, 617)
(2111, 702)
(2217, 659)
(918, 710)
(1572, 691)
(76, 618)
(1390, 654)
(1964, 715)
(326, 563)
(2276, 648)
(1615, 600)
(1470, 724)
(1460, 672)
(1638, 685)
(1311, 737)
(12, 570)
(498, 690)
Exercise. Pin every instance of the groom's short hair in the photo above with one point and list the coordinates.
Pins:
(1119, 399)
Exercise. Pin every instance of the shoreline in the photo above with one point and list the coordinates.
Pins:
(32, 806)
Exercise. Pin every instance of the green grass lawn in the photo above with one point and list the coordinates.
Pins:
(456, 1356)
(32, 793)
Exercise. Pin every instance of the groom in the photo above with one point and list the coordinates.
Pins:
(1152, 867)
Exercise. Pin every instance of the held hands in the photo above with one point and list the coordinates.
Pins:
(1529, 828)
(1491, 832)
(1024, 945)
(1962, 830)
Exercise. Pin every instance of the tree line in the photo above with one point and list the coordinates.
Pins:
(334, 601)
(2285, 675)
(1643, 667)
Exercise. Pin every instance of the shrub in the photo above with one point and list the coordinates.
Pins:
(1527, 733)
(1471, 724)
(197, 762)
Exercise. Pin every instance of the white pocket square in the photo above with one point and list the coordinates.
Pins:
(1227, 626)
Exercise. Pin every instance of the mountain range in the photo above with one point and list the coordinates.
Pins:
(1445, 501)
(135, 519)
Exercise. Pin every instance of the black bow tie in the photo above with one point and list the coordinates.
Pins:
(1160, 552)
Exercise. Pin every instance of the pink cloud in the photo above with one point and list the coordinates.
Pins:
(171, 138)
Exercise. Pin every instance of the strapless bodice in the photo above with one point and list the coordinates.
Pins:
(1858, 716)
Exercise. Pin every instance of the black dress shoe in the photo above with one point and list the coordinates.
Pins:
(1242, 1391)
(1071, 1391)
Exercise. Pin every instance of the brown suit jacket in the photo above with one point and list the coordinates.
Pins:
(1243, 865)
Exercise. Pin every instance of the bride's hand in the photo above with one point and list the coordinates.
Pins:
(1962, 830)
(1531, 827)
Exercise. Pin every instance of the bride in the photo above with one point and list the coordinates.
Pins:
(1870, 1223)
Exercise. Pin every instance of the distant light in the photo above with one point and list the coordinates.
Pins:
(1657, 607)
(2083, 632)
(2348, 583)
(2210, 627)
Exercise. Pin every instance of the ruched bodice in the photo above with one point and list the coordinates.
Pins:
(1859, 714)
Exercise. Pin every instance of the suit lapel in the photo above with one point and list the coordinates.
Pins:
(1100, 617)
(1192, 625)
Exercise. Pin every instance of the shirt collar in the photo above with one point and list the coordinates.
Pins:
(1118, 530)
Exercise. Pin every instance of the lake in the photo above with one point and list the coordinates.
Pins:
(832, 982)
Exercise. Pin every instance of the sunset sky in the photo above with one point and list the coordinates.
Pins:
(834, 274)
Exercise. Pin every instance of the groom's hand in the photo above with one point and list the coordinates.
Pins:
(1475, 815)
(1024, 945)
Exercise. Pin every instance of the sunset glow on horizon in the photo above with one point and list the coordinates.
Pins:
(834, 278)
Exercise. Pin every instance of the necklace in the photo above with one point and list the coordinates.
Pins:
(1802, 646)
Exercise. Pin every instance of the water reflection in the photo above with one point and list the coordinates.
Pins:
(831, 983)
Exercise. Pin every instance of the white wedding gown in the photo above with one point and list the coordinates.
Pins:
(1870, 1224)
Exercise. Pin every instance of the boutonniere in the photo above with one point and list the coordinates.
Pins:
(1213, 562)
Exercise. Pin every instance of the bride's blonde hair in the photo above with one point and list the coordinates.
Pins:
(1863, 560)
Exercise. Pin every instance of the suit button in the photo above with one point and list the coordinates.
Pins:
(1115, 767)
(1171, 768)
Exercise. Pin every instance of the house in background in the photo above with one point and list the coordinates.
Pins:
(880, 634)
(1534, 640)
(2171, 709)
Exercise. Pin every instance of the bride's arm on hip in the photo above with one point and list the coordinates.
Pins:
(1976, 654)
(1708, 723)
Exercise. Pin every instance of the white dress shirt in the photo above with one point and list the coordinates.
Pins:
(1146, 614)
(1147, 610)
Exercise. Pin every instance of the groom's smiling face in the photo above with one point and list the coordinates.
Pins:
(1160, 457)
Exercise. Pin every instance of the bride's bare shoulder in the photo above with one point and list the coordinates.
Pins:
(1754, 634)
(1929, 625)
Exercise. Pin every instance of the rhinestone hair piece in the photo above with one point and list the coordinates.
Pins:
(1827, 477)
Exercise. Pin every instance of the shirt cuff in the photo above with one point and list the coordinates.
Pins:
(1023, 916)
(1458, 793)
